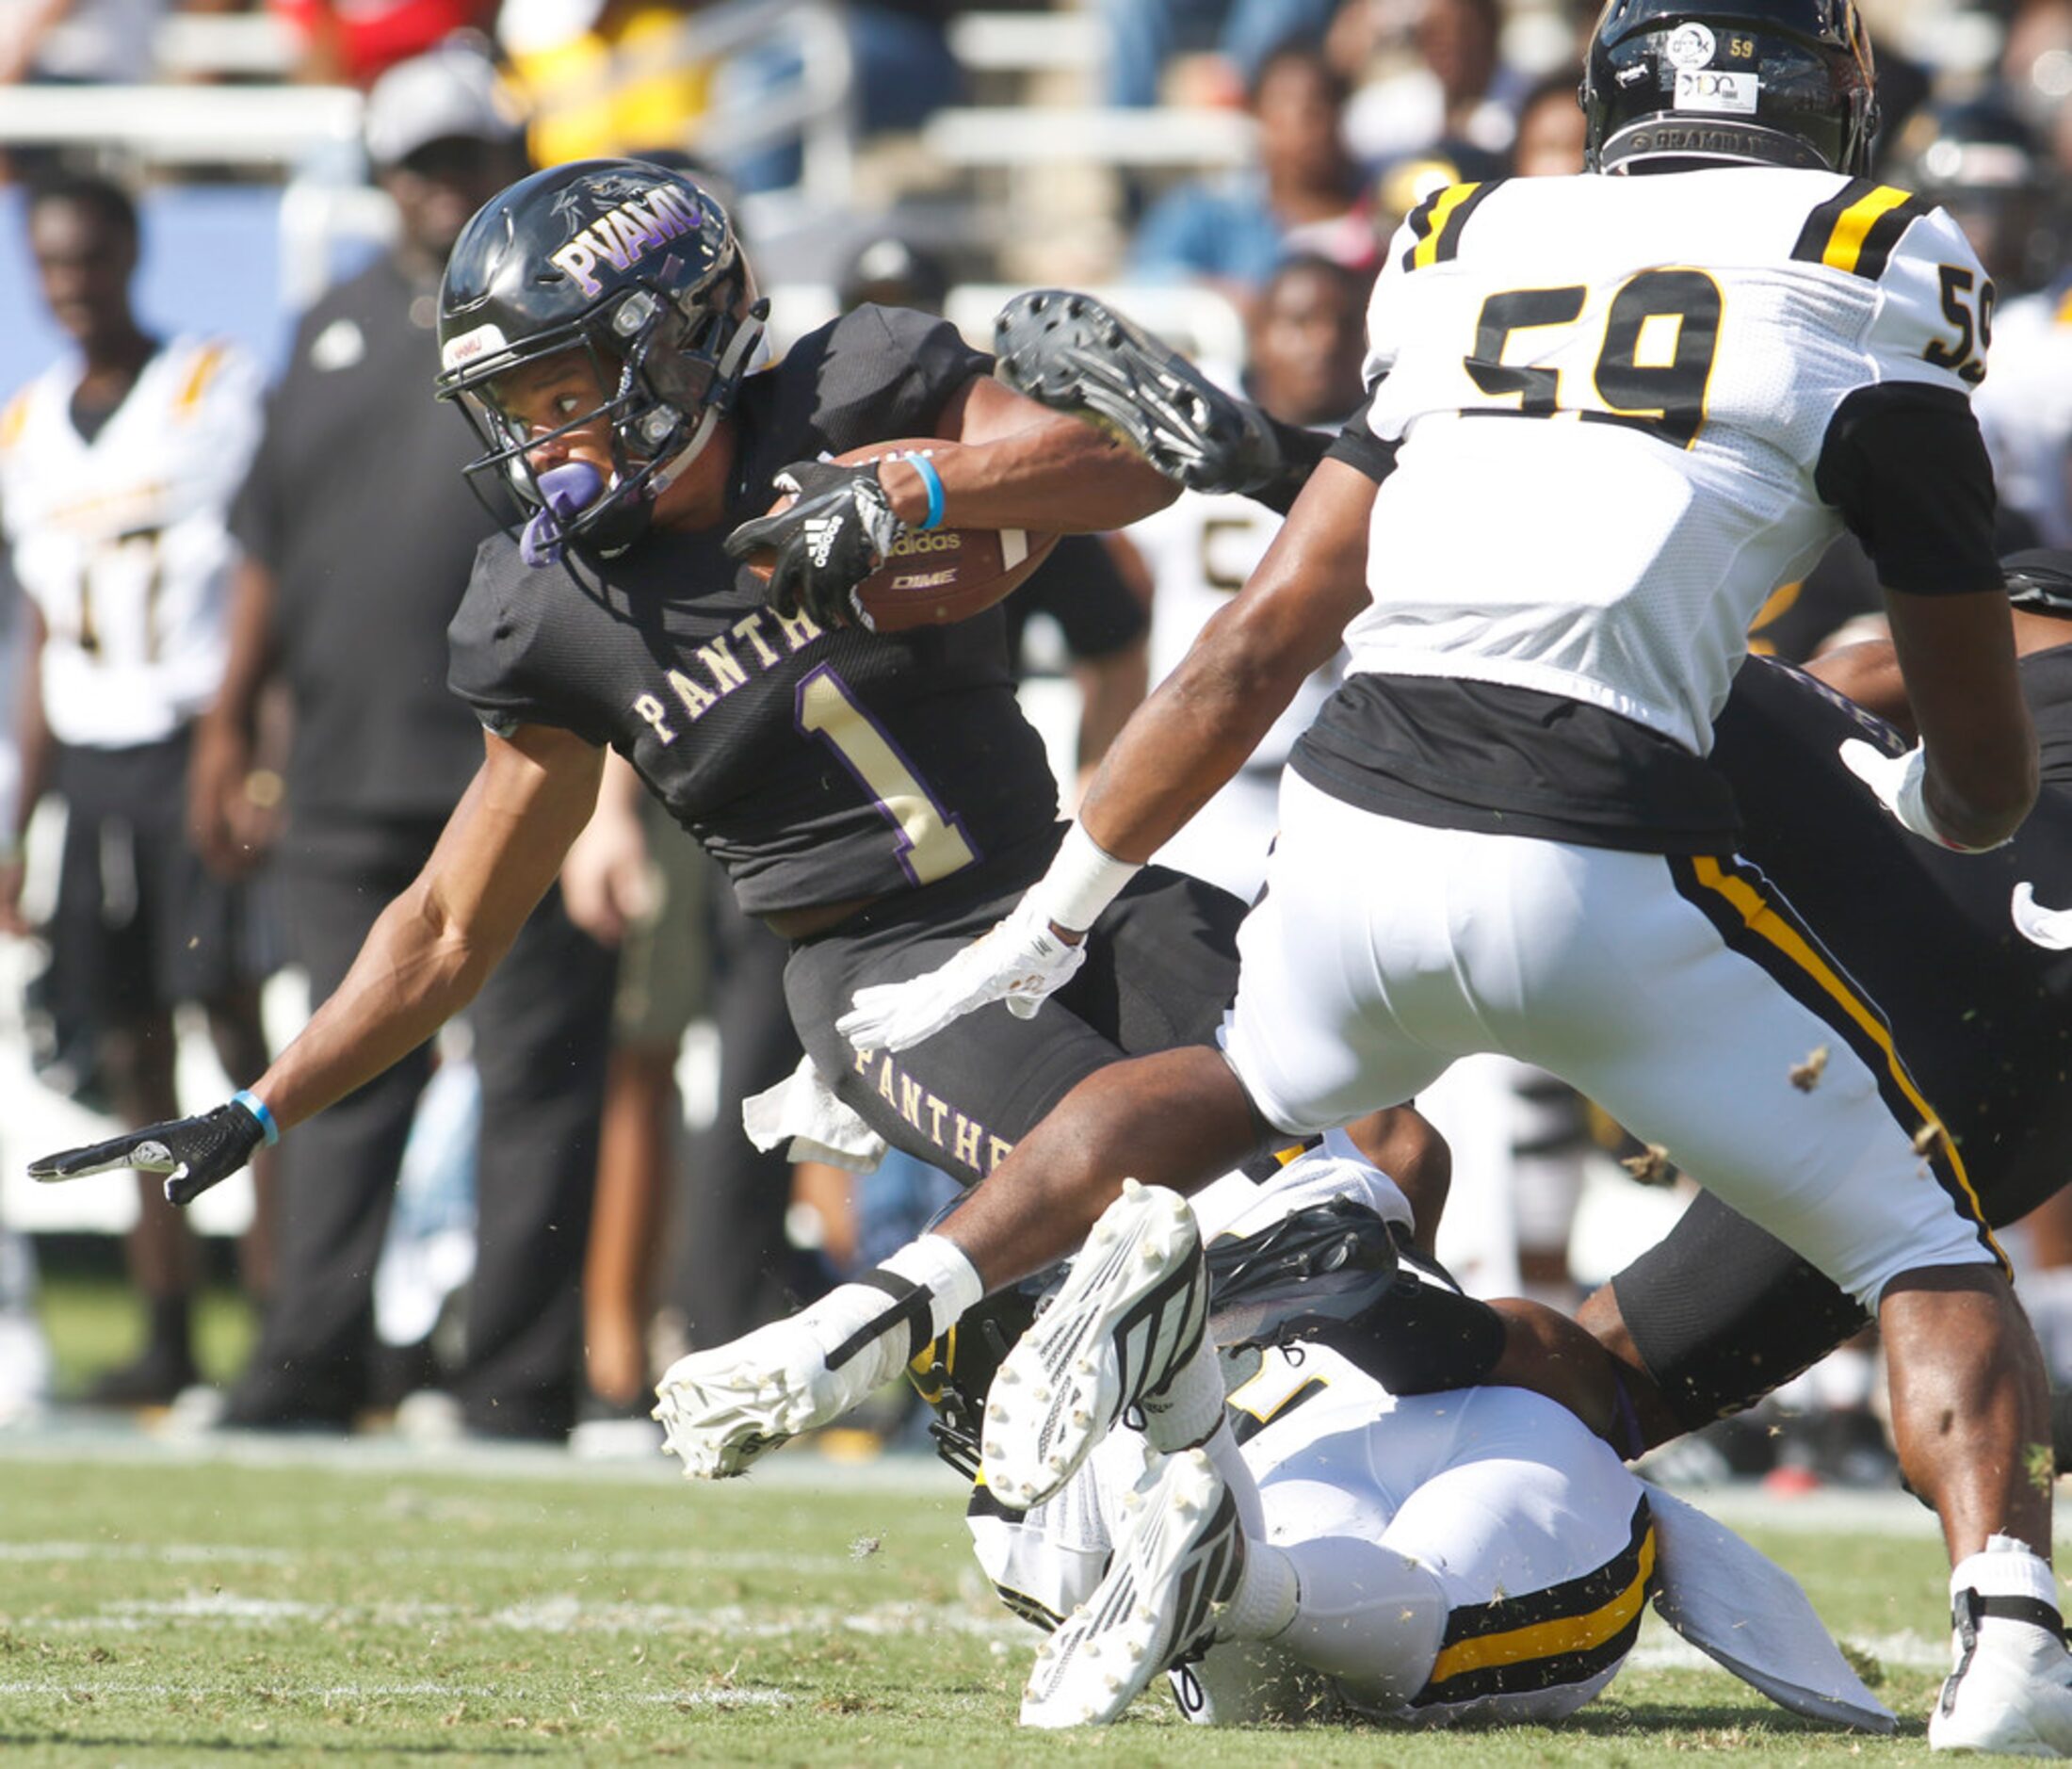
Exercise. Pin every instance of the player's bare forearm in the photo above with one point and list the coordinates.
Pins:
(1957, 654)
(1197, 729)
(1551, 1354)
(433, 948)
(1007, 463)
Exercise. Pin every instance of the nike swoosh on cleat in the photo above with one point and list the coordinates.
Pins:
(2050, 928)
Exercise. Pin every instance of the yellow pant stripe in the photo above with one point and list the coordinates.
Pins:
(1550, 1639)
(1763, 920)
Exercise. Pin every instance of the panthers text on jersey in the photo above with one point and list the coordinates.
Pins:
(120, 541)
(815, 766)
(1679, 347)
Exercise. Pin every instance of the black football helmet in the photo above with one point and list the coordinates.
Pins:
(1978, 159)
(1736, 82)
(633, 263)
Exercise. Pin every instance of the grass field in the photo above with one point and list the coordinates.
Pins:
(358, 1604)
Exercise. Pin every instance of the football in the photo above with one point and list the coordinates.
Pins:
(941, 576)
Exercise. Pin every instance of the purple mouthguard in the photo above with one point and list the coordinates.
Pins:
(565, 492)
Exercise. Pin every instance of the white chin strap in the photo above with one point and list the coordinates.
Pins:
(746, 337)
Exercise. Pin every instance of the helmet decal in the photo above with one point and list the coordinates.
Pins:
(471, 346)
(625, 235)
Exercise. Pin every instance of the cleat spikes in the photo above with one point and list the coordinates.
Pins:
(1130, 1315)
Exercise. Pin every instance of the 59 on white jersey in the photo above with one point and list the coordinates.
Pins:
(1666, 354)
(122, 541)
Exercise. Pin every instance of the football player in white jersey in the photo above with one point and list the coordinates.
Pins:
(1475, 1555)
(117, 468)
(1304, 341)
(1610, 415)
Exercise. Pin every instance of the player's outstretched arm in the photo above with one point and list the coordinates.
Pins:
(425, 960)
(1183, 743)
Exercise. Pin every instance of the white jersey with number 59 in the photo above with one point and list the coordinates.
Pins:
(1612, 395)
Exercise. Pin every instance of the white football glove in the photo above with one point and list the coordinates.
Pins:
(1899, 782)
(1020, 961)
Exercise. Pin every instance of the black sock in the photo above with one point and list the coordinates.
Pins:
(169, 1319)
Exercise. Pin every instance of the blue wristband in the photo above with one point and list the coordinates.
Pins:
(257, 1107)
(933, 481)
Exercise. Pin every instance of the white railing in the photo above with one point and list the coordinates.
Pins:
(1001, 136)
(186, 126)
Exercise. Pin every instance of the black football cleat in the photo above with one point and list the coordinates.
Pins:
(1071, 353)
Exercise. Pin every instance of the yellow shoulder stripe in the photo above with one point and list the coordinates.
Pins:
(205, 364)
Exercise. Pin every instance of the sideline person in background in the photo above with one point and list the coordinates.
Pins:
(118, 466)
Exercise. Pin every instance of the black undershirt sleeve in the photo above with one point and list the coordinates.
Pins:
(1905, 465)
(1361, 449)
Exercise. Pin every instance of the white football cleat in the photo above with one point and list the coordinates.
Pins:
(721, 1410)
(2007, 1701)
(1070, 352)
(1130, 1317)
(1175, 1568)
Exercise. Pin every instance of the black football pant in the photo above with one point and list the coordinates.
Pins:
(541, 1029)
(1161, 967)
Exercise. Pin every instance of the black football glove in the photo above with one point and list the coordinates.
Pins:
(194, 1153)
(837, 530)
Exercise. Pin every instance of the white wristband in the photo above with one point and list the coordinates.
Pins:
(1082, 881)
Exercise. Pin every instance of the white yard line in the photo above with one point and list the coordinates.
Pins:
(487, 1559)
(558, 1613)
(70, 1438)
(592, 1696)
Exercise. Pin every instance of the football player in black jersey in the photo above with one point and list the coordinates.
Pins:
(877, 799)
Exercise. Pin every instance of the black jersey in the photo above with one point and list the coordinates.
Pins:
(815, 766)
(1980, 1014)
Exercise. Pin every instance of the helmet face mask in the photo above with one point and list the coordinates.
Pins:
(637, 270)
(1682, 82)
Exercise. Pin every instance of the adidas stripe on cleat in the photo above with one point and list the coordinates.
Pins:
(1175, 1568)
(1128, 1317)
(1070, 352)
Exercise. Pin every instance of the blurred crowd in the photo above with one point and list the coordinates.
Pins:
(227, 602)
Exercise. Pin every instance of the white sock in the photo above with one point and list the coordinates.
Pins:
(1221, 1448)
(940, 1267)
(2009, 1596)
(1268, 1594)
(1189, 1406)
(1367, 1615)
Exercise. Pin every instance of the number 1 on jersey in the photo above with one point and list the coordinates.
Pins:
(929, 844)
